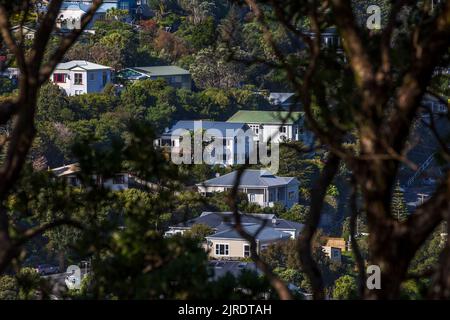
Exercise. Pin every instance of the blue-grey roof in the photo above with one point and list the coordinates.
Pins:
(224, 220)
(266, 234)
(250, 178)
(192, 125)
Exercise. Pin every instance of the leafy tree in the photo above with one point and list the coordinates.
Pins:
(345, 288)
(398, 203)
(297, 213)
(200, 231)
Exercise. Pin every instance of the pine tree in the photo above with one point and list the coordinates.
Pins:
(398, 204)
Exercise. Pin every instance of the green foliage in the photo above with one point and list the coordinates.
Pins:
(298, 213)
(200, 231)
(398, 204)
(345, 288)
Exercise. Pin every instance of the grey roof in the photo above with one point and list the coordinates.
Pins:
(162, 71)
(192, 125)
(265, 234)
(250, 178)
(280, 97)
(222, 267)
(224, 220)
(82, 64)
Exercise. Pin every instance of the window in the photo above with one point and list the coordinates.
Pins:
(73, 181)
(78, 78)
(252, 197)
(92, 76)
(283, 129)
(59, 78)
(291, 195)
(221, 249)
(104, 77)
(78, 92)
(119, 179)
(246, 250)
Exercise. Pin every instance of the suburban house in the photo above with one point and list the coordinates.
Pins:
(219, 221)
(235, 146)
(229, 244)
(27, 32)
(277, 126)
(175, 76)
(70, 173)
(262, 187)
(78, 77)
(72, 11)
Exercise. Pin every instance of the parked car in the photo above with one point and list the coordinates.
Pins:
(45, 269)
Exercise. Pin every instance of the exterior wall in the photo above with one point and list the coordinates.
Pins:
(230, 149)
(112, 184)
(92, 81)
(177, 81)
(265, 197)
(333, 253)
(292, 194)
(235, 248)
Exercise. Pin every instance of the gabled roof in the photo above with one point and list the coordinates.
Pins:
(265, 117)
(280, 97)
(157, 71)
(192, 125)
(266, 234)
(250, 178)
(66, 170)
(86, 65)
(224, 220)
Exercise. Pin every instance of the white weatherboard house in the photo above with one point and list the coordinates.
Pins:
(230, 134)
(78, 77)
(119, 181)
(261, 187)
(275, 125)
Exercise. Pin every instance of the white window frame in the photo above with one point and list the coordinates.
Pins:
(226, 249)
(243, 250)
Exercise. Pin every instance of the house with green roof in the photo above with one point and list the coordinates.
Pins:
(175, 76)
(279, 126)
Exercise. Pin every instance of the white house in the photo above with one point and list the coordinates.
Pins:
(279, 126)
(235, 146)
(219, 221)
(70, 173)
(261, 187)
(78, 77)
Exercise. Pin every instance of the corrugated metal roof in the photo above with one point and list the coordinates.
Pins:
(265, 117)
(224, 220)
(250, 178)
(162, 71)
(266, 234)
(82, 64)
(193, 125)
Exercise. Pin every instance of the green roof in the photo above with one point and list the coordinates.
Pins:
(265, 117)
(162, 71)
